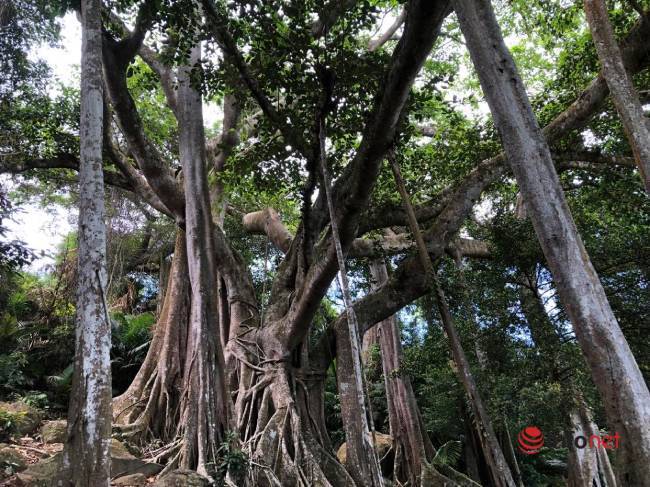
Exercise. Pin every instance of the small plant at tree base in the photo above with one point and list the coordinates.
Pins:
(8, 423)
(232, 459)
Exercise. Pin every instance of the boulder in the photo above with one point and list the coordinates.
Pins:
(134, 480)
(11, 461)
(383, 444)
(43, 473)
(182, 478)
(123, 463)
(24, 418)
(54, 431)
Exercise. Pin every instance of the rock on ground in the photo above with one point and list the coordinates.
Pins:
(41, 474)
(11, 461)
(54, 431)
(182, 478)
(123, 464)
(383, 443)
(25, 418)
(134, 480)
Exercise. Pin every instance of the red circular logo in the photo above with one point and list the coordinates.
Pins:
(530, 440)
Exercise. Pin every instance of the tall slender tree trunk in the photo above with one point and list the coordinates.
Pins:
(624, 95)
(412, 446)
(586, 466)
(614, 370)
(361, 459)
(494, 457)
(410, 441)
(86, 458)
(205, 407)
(499, 468)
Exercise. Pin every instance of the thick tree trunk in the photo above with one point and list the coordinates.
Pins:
(608, 354)
(280, 418)
(205, 406)
(86, 457)
(624, 95)
(149, 408)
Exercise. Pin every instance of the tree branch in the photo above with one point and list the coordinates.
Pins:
(635, 51)
(218, 24)
(375, 44)
(408, 282)
(590, 159)
(149, 160)
(61, 161)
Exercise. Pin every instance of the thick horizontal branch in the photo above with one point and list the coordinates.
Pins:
(590, 160)
(61, 161)
(267, 222)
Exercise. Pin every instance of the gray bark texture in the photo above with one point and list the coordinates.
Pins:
(205, 410)
(614, 369)
(624, 95)
(86, 458)
(362, 462)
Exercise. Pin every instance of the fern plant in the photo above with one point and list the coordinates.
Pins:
(448, 454)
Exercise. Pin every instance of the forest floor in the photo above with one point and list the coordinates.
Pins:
(29, 461)
(31, 450)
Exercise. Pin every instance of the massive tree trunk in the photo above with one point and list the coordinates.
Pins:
(86, 458)
(149, 408)
(614, 370)
(624, 95)
(205, 405)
